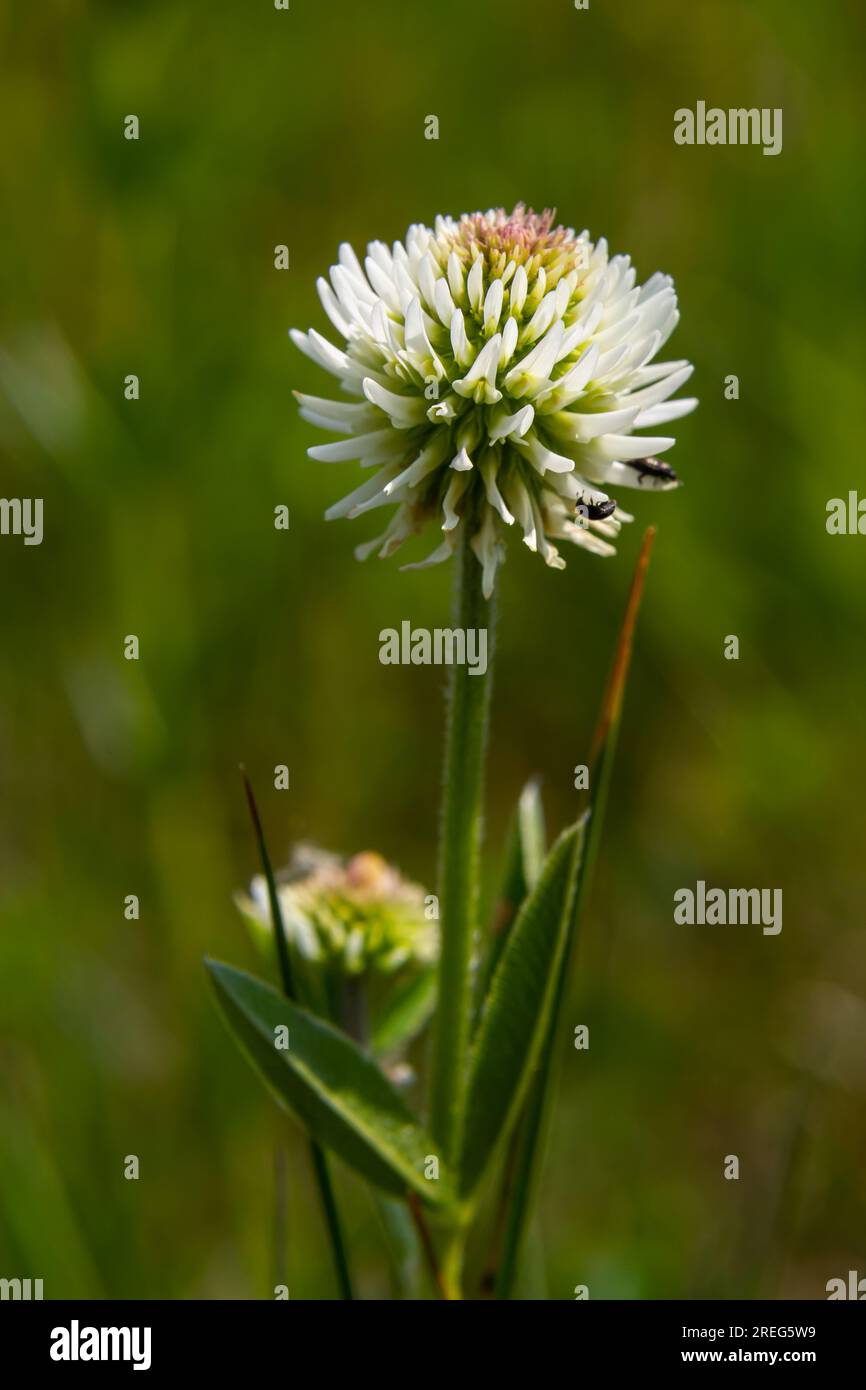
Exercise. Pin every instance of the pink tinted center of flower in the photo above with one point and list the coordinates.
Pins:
(366, 871)
(518, 234)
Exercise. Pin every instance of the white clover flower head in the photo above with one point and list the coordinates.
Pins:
(499, 366)
(355, 915)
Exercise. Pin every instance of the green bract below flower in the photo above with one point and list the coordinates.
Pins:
(499, 365)
(354, 916)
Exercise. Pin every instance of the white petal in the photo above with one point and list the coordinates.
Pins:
(384, 329)
(612, 337)
(571, 386)
(659, 390)
(517, 496)
(340, 416)
(657, 312)
(404, 411)
(446, 409)
(480, 380)
(427, 280)
(427, 462)
(488, 550)
(548, 552)
(537, 365)
(509, 341)
(577, 428)
(541, 319)
(489, 467)
(644, 375)
(459, 342)
(541, 457)
(519, 290)
(354, 298)
(584, 538)
(504, 424)
(399, 531)
(320, 351)
(357, 447)
(331, 306)
(475, 284)
(454, 492)
(608, 362)
(493, 307)
(456, 279)
(461, 462)
(382, 284)
(349, 261)
(623, 447)
(371, 488)
(663, 414)
(436, 557)
(444, 304)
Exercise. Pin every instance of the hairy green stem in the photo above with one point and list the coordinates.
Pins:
(459, 851)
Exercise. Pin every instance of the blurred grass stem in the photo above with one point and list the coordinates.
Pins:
(321, 1169)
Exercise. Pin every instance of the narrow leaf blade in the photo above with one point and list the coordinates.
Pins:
(606, 734)
(516, 1013)
(528, 1148)
(335, 1090)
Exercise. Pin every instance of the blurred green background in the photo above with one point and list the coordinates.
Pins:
(305, 127)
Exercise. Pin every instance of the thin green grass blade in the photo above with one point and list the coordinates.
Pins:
(318, 1158)
(279, 925)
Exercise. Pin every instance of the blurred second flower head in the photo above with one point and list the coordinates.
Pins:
(356, 914)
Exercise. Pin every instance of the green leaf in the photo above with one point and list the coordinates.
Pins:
(335, 1090)
(516, 1012)
(524, 860)
(525, 1158)
(405, 1012)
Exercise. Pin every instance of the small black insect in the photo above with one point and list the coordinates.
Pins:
(600, 511)
(653, 468)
